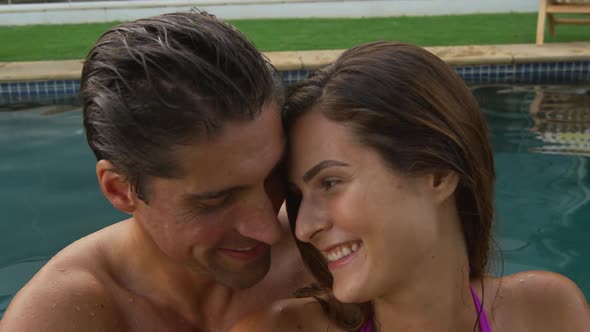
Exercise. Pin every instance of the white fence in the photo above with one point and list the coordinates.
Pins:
(105, 11)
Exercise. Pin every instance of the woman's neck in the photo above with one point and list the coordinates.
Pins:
(434, 294)
(431, 304)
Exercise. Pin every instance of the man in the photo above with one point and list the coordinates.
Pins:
(181, 112)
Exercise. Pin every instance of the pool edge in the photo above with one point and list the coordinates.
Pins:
(308, 60)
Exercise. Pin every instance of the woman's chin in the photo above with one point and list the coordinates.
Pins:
(350, 294)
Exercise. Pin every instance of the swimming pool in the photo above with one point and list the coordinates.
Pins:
(541, 140)
(49, 195)
(541, 135)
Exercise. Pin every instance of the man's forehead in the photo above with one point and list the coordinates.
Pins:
(241, 147)
(268, 115)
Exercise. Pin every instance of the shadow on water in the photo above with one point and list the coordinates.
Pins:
(41, 105)
(541, 138)
(4, 301)
(44, 110)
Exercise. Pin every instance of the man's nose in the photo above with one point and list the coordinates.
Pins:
(259, 220)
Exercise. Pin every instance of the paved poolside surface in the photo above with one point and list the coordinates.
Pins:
(454, 55)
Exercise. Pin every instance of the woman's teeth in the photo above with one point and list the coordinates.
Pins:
(341, 251)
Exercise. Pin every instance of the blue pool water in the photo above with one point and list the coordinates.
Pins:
(541, 140)
(49, 194)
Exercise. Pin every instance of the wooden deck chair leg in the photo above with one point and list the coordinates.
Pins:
(541, 21)
(551, 19)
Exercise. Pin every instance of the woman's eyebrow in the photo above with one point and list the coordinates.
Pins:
(320, 166)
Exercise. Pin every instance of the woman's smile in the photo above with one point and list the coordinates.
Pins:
(340, 254)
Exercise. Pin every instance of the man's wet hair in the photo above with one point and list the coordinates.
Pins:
(153, 84)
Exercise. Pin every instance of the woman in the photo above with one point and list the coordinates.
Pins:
(391, 199)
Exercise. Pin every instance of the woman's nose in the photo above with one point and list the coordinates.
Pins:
(311, 220)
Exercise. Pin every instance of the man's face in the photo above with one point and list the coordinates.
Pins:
(220, 218)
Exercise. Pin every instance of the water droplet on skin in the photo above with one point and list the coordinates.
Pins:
(54, 305)
(77, 308)
(131, 300)
(92, 314)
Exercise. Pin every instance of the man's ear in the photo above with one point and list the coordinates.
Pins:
(444, 184)
(115, 186)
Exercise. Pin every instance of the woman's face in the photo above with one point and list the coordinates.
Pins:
(374, 226)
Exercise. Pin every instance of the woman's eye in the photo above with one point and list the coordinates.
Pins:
(329, 183)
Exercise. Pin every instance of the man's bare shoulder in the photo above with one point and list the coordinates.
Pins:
(67, 294)
(304, 314)
(68, 300)
(544, 301)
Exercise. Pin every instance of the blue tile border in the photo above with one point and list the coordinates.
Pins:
(38, 91)
(527, 73)
(292, 76)
(522, 73)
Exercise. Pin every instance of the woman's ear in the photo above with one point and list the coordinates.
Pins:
(444, 184)
(115, 186)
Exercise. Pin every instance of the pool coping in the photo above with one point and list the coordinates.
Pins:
(309, 60)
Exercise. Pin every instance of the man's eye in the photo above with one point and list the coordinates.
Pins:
(211, 205)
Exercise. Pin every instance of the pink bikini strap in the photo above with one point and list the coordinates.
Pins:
(484, 324)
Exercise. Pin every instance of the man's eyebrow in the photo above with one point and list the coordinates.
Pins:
(320, 166)
(212, 194)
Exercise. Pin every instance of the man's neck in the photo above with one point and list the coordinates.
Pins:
(206, 304)
(151, 274)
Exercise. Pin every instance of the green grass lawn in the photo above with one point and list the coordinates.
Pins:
(56, 42)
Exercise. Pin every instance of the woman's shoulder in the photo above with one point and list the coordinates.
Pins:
(540, 301)
(295, 314)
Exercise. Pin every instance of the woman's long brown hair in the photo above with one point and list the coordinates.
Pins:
(419, 116)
